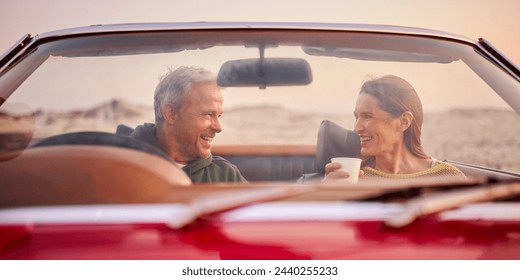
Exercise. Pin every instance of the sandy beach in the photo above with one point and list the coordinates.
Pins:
(485, 137)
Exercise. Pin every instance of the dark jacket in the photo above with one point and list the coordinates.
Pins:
(205, 170)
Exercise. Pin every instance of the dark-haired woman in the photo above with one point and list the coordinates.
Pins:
(389, 117)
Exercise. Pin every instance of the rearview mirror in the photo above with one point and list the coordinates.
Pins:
(264, 72)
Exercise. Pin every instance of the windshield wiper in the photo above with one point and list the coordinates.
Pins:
(435, 203)
(232, 197)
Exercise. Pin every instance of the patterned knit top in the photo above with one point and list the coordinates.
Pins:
(438, 168)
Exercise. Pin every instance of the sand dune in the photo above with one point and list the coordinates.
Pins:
(484, 136)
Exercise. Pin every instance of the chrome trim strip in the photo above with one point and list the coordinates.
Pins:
(12, 52)
(135, 27)
(266, 212)
(498, 57)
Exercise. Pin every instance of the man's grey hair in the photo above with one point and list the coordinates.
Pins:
(174, 87)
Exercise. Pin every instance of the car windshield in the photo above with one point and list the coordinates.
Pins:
(97, 82)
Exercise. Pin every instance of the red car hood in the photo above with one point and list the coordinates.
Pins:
(279, 230)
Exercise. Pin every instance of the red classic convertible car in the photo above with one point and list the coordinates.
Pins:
(73, 185)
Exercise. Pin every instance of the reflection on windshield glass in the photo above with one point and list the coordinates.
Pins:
(462, 114)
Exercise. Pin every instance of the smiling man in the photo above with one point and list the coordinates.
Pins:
(188, 104)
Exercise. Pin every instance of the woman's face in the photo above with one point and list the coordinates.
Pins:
(378, 131)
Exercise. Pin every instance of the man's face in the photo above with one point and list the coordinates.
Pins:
(197, 122)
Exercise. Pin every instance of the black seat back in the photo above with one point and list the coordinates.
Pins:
(335, 141)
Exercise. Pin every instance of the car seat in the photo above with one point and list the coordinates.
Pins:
(333, 141)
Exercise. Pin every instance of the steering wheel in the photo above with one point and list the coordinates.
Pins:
(101, 139)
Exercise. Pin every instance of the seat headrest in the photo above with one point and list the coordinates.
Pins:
(124, 130)
(335, 141)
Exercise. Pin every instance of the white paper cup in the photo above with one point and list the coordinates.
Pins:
(350, 165)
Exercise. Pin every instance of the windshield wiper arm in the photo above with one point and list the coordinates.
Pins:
(235, 198)
(436, 203)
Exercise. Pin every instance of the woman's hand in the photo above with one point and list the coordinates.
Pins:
(332, 172)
